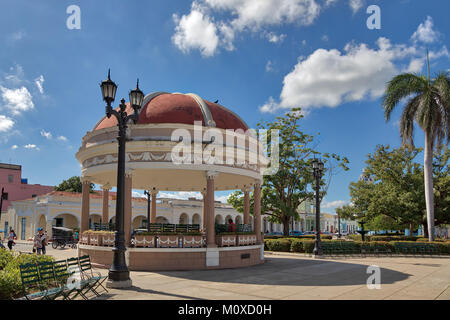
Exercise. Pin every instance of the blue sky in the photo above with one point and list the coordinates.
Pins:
(258, 57)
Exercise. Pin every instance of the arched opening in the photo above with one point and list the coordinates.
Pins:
(112, 220)
(184, 219)
(196, 219)
(238, 220)
(227, 218)
(66, 220)
(219, 219)
(162, 220)
(138, 223)
(94, 219)
(42, 222)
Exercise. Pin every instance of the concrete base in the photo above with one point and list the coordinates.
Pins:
(212, 257)
(119, 284)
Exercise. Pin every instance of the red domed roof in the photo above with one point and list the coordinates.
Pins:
(180, 108)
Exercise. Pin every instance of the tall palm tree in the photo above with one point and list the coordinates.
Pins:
(429, 106)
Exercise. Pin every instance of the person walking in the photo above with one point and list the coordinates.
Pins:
(11, 237)
(231, 226)
(40, 241)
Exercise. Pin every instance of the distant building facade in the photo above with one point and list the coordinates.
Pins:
(17, 188)
(63, 209)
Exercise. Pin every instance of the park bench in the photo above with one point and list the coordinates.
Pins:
(88, 275)
(155, 227)
(33, 287)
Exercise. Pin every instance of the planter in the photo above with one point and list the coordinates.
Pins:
(168, 241)
(140, 241)
(246, 239)
(192, 241)
(84, 239)
(95, 239)
(108, 240)
(226, 240)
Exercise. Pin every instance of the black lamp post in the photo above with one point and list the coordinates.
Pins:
(318, 171)
(119, 276)
(339, 226)
(148, 194)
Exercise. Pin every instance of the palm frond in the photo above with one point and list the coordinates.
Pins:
(407, 120)
(400, 87)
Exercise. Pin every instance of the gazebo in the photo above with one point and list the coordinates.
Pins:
(180, 142)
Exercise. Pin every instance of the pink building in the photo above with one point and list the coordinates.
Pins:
(17, 188)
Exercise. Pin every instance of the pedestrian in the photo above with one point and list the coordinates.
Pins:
(231, 226)
(11, 237)
(40, 241)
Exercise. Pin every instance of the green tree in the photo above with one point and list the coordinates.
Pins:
(73, 184)
(441, 174)
(429, 106)
(394, 198)
(283, 192)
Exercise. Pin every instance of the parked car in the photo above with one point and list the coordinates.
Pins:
(296, 233)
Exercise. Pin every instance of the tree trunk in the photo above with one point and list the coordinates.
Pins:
(425, 229)
(428, 179)
(286, 226)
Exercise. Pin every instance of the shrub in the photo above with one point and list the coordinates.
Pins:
(5, 257)
(393, 238)
(10, 282)
(308, 246)
(297, 246)
(283, 245)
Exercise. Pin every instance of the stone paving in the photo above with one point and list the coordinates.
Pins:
(292, 276)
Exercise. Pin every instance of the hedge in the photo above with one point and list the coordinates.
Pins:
(339, 246)
(10, 282)
(306, 236)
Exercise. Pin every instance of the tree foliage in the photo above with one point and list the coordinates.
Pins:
(393, 198)
(284, 191)
(73, 184)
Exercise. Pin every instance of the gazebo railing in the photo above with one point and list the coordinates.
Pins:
(222, 228)
(103, 227)
(178, 228)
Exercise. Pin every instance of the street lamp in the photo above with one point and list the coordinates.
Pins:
(119, 275)
(317, 166)
(148, 194)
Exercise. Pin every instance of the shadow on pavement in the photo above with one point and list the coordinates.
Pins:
(106, 296)
(293, 272)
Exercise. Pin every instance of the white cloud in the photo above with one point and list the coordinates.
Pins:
(39, 83)
(200, 30)
(14, 147)
(136, 194)
(425, 32)
(31, 147)
(355, 5)
(184, 195)
(45, 134)
(333, 204)
(269, 66)
(17, 100)
(222, 199)
(324, 37)
(196, 31)
(62, 138)
(6, 123)
(275, 38)
(331, 77)
(16, 36)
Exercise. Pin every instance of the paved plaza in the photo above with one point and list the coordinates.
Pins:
(290, 276)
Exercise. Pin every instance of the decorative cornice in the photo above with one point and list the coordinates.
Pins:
(211, 174)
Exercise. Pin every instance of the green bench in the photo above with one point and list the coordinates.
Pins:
(66, 279)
